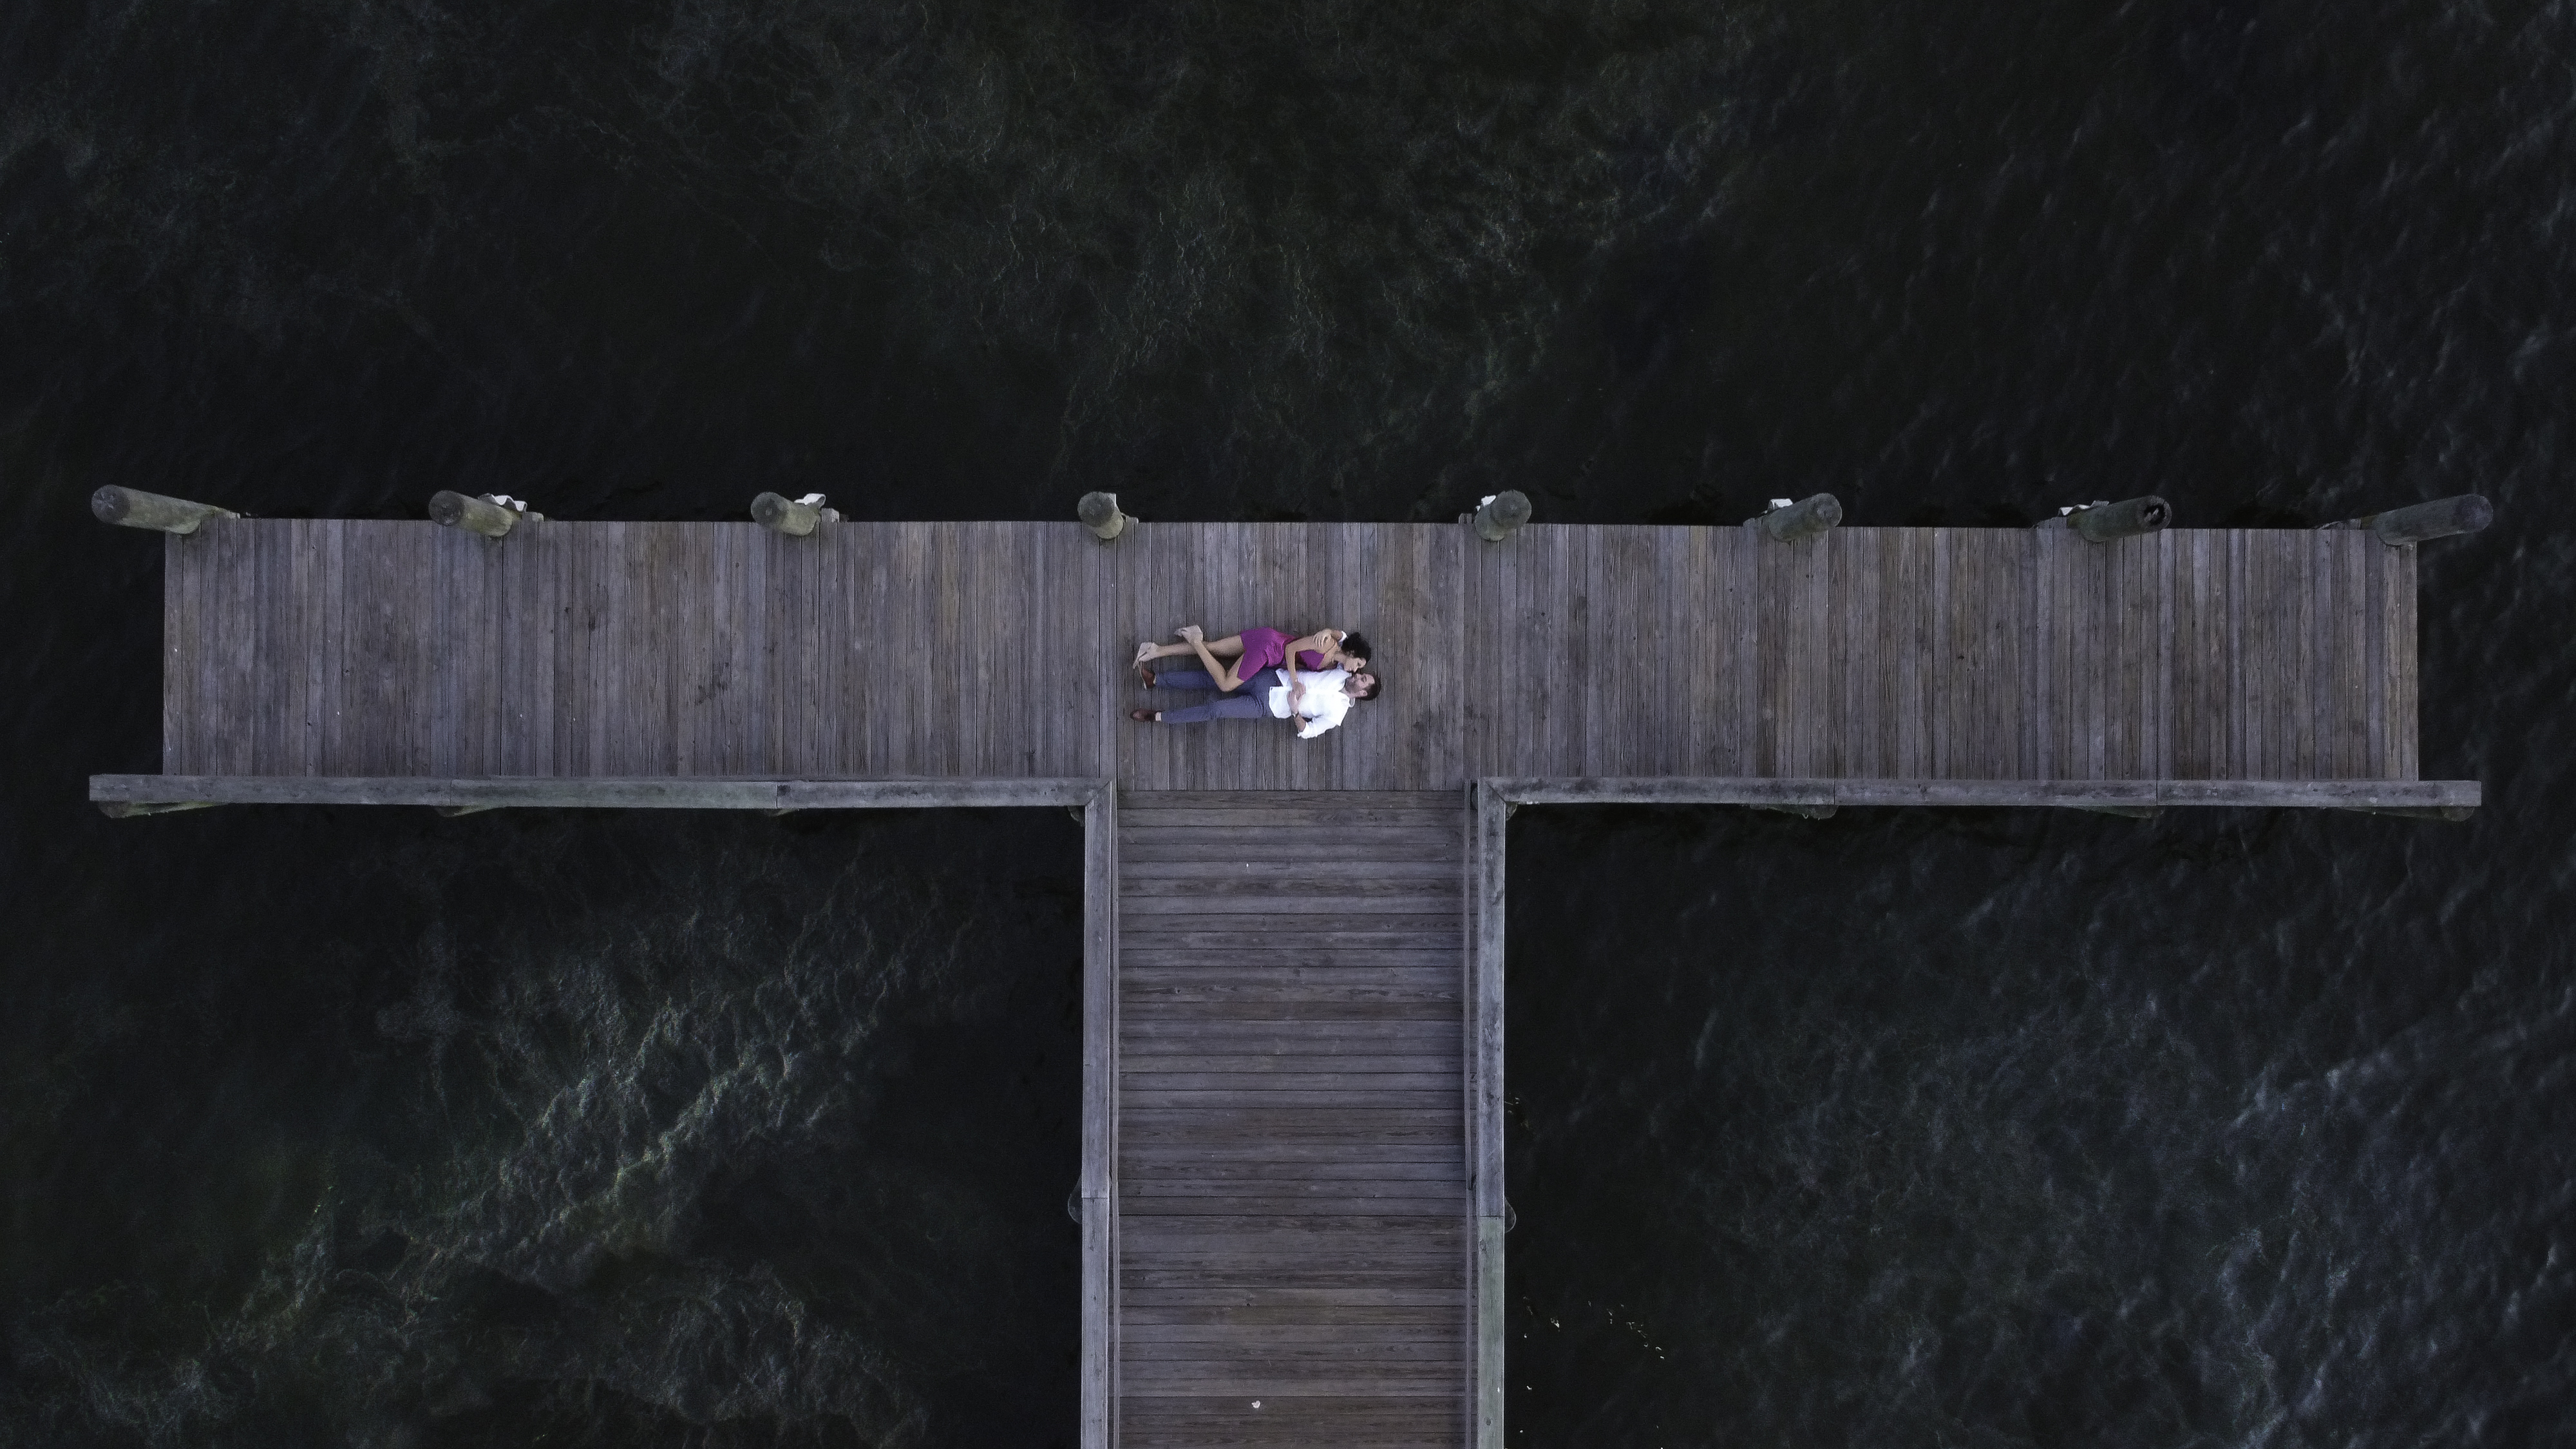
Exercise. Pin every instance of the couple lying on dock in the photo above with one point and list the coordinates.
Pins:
(1262, 674)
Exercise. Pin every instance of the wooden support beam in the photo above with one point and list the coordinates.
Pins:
(1501, 515)
(1098, 1187)
(2415, 523)
(128, 809)
(1099, 513)
(1806, 518)
(2452, 813)
(2289, 794)
(134, 508)
(571, 792)
(450, 509)
(1488, 812)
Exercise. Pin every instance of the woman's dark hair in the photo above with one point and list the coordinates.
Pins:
(1356, 646)
(1374, 685)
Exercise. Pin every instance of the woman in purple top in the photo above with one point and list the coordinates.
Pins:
(1254, 650)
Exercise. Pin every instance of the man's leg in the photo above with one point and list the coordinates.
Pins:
(1231, 706)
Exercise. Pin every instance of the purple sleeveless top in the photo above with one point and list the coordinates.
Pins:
(1268, 649)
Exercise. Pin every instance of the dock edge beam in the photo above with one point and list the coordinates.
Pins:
(1488, 814)
(1099, 1185)
(2124, 796)
(460, 796)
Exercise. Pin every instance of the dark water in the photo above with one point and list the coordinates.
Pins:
(357, 1127)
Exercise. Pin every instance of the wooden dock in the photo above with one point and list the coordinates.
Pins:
(1292, 1192)
(976, 651)
(1292, 1187)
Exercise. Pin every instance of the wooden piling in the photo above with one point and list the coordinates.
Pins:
(2415, 523)
(787, 515)
(1099, 513)
(2128, 518)
(1806, 518)
(134, 508)
(1498, 517)
(451, 509)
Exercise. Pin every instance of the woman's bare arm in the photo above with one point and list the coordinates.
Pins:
(1326, 643)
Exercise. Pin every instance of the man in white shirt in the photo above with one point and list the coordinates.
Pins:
(1312, 701)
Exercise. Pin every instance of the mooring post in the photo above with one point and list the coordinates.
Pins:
(1099, 513)
(2103, 522)
(134, 508)
(450, 509)
(795, 517)
(1499, 515)
(1807, 518)
(2417, 522)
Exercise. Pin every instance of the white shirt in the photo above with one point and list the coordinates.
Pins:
(1323, 705)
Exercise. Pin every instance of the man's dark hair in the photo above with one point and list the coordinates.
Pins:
(1374, 685)
(1356, 646)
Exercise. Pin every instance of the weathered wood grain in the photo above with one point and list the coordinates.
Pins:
(1291, 1117)
(371, 649)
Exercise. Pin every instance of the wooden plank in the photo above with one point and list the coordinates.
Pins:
(2344, 629)
(1486, 1361)
(1434, 1341)
(2136, 654)
(1101, 1246)
(1139, 1079)
(1488, 832)
(649, 793)
(281, 651)
(2404, 710)
(1241, 1162)
(1384, 1199)
(1730, 595)
(1241, 884)
(1340, 1100)
(2291, 794)
(1855, 742)
(1368, 1304)
(1193, 1422)
(2199, 672)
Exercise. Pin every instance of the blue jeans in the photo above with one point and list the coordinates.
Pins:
(1251, 701)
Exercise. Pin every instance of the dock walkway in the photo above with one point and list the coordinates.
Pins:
(1292, 1193)
(1291, 1187)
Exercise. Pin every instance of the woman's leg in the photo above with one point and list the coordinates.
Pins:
(1229, 647)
